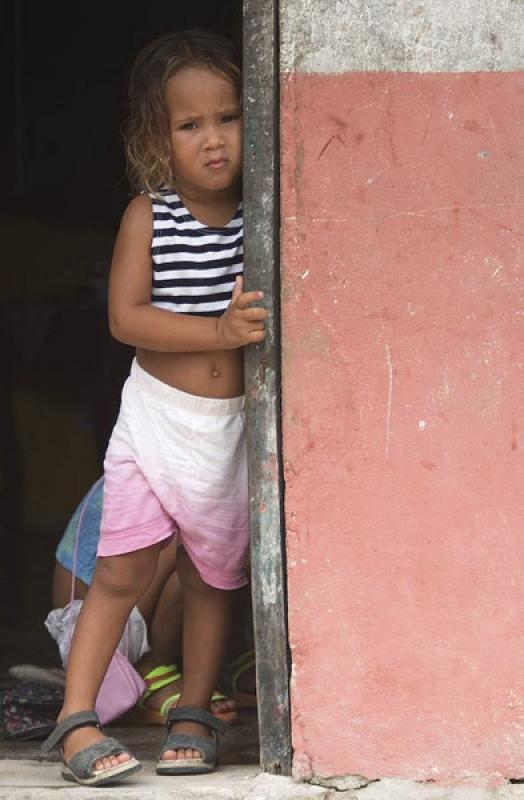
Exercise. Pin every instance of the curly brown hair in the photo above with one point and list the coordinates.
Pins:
(146, 131)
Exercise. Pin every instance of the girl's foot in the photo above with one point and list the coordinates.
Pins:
(189, 729)
(80, 738)
(190, 747)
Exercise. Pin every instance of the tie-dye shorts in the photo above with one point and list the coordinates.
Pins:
(176, 465)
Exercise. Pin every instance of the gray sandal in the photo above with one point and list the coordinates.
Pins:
(177, 741)
(80, 768)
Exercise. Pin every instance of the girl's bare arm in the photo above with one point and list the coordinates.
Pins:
(132, 318)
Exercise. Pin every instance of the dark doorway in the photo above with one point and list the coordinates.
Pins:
(64, 75)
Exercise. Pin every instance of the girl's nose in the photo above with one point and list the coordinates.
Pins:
(214, 136)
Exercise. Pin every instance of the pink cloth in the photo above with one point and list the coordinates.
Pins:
(176, 463)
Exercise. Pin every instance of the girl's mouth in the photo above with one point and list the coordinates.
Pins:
(216, 163)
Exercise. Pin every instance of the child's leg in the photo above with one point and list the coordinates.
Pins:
(117, 584)
(207, 625)
(161, 607)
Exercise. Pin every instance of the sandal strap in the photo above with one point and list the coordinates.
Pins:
(233, 671)
(168, 702)
(161, 676)
(81, 719)
(200, 715)
(239, 666)
(174, 698)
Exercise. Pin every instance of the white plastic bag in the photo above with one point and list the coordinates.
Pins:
(133, 644)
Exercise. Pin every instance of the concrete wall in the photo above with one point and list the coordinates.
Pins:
(403, 385)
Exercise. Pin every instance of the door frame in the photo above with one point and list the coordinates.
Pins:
(262, 372)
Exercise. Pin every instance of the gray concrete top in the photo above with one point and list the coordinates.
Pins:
(23, 779)
(38, 780)
(335, 36)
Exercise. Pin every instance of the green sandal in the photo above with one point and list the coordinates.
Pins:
(157, 679)
(230, 679)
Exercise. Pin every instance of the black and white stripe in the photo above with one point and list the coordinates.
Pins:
(194, 266)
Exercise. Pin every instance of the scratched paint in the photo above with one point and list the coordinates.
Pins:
(403, 400)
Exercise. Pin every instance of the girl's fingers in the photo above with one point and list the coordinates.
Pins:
(238, 289)
(245, 298)
(254, 314)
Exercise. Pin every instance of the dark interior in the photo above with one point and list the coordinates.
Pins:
(64, 72)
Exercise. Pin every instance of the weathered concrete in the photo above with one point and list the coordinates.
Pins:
(390, 789)
(403, 392)
(336, 36)
(34, 780)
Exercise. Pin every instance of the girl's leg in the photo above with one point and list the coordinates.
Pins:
(164, 628)
(161, 607)
(117, 584)
(207, 626)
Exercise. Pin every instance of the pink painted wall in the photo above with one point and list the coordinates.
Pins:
(403, 423)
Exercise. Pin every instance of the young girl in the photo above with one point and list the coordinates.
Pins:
(176, 462)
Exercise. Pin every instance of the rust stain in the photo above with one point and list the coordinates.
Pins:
(338, 120)
(471, 125)
(429, 465)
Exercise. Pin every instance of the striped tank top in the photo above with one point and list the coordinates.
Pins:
(194, 266)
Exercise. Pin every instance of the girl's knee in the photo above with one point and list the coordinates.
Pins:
(129, 573)
(190, 577)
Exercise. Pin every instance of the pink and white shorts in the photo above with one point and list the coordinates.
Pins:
(176, 464)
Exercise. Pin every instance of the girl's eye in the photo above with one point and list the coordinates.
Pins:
(187, 126)
(230, 117)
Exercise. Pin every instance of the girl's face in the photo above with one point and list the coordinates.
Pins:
(206, 131)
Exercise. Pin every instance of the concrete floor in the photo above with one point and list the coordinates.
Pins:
(25, 775)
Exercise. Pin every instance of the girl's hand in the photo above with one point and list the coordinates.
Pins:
(241, 324)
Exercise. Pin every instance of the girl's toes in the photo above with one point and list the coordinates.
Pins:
(222, 706)
(112, 761)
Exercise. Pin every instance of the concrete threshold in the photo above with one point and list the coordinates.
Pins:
(41, 780)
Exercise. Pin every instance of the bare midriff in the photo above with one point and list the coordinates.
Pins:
(217, 374)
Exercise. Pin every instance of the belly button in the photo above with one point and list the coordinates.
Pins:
(215, 372)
